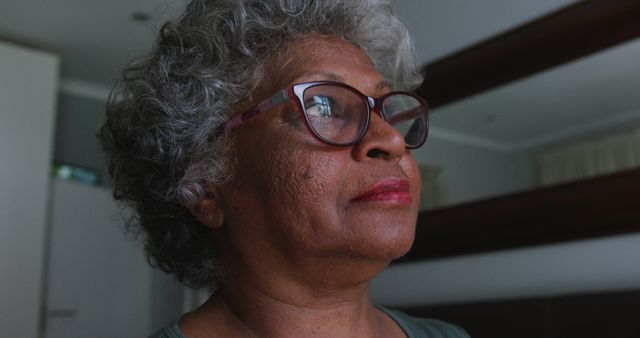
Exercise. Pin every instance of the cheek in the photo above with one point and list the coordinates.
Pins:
(308, 183)
(410, 167)
(300, 202)
(287, 181)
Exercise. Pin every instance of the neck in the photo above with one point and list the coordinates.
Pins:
(295, 312)
(270, 309)
(272, 295)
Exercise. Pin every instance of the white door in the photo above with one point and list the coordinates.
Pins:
(99, 281)
(28, 81)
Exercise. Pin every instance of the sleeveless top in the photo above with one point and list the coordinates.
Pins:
(412, 327)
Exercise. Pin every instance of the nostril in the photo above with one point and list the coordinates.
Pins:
(373, 153)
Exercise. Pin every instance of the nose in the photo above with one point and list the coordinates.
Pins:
(381, 141)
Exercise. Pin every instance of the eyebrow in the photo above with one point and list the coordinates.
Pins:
(381, 86)
(324, 75)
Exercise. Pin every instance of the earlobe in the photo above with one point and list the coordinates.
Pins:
(209, 211)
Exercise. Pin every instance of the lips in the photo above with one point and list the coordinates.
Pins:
(388, 190)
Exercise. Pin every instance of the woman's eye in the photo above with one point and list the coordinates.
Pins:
(321, 106)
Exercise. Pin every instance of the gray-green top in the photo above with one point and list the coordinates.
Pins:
(412, 327)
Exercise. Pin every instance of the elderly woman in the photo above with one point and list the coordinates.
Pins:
(267, 155)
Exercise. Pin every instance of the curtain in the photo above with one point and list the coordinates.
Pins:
(603, 155)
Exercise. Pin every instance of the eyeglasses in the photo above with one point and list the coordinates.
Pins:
(339, 115)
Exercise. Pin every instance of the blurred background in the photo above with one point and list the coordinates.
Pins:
(536, 115)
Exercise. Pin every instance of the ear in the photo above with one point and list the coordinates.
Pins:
(209, 211)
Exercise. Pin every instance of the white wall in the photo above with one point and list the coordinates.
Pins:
(473, 172)
(603, 264)
(28, 81)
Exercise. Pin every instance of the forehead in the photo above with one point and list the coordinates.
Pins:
(330, 58)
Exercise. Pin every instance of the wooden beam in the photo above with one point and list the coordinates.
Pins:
(568, 34)
(591, 315)
(601, 206)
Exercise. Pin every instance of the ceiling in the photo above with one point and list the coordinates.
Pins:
(587, 97)
(442, 27)
(96, 38)
(590, 96)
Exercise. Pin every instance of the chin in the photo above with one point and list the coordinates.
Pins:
(400, 247)
(389, 243)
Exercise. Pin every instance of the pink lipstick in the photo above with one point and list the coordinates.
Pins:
(388, 190)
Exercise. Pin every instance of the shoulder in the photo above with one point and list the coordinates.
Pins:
(425, 327)
(170, 331)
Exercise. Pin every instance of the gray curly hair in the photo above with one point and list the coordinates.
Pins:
(164, 136)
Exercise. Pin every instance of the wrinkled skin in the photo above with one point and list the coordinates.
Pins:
(298, 250)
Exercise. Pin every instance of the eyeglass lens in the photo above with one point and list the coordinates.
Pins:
(335, 113)
(405, 113)
(339, 114)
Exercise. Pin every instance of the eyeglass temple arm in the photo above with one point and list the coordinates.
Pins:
(276, 99)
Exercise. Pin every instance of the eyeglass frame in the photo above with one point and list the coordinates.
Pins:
(295, 93)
